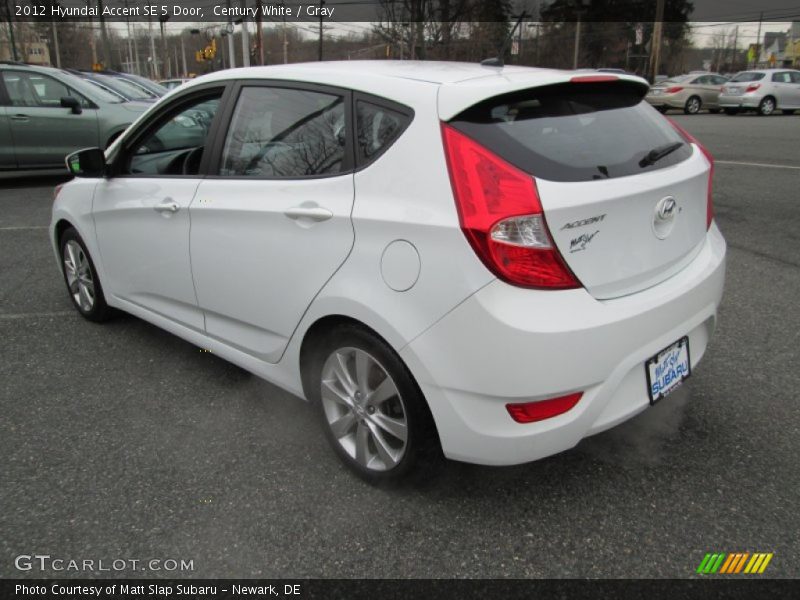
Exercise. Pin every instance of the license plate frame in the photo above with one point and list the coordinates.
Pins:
(672, 364)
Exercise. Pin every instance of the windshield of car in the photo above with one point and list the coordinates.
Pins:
(747, 76)
(130, 91)
(95, 92)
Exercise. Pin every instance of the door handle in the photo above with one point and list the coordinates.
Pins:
(313, 213)
(20, 118)
(168, 206)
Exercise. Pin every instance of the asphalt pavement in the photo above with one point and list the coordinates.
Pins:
(121, 441)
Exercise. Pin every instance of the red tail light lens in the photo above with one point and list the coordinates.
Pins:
(752, 87)
(673, 90)
(530, 412)
(501, 216)
(692, 140)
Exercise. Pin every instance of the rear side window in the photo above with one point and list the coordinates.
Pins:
(574, 132)
(285, 133)
(746, 76)
(378, 127)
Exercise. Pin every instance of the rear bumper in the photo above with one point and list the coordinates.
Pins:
(507, 344)
(742, 101)
(668, 101)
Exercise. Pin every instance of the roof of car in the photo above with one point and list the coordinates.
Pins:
(435, 72)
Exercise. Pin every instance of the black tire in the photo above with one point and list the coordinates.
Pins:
(693, 105)
(714, 111)
(788, 111)
(99, 311)
(422, 451)
(767, 106)
(731, 111)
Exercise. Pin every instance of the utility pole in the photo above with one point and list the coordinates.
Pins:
(231, 51)
(164, 52)
(92, 41)
(136, 51)
(130, 50)
(183, 56)
(245, 38)
(758, 41)
(259, 35)
(579, 11)
(55, 43)
(104, 36)
(655, 44)
(11, 32)
(519, 45)
(321, 4)
(285, 41)
(153, 57)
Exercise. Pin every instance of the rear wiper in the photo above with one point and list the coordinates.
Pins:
(656, 154)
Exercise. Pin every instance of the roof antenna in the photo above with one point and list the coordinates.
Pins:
(498, 61)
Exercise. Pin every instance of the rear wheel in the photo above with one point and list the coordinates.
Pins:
(731, 111)
(692, 106)
(767, 106)
(373, 413)
(81, 278)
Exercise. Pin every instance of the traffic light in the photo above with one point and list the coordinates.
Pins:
(199, 56)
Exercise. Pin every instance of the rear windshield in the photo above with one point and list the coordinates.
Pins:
(574, 132)
(748, 76)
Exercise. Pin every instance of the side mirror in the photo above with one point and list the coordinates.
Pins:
(73, 103)
(89, 162)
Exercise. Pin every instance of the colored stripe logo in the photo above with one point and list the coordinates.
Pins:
(734, 562)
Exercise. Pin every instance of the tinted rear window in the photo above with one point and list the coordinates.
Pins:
(573, 132)
(748, 76)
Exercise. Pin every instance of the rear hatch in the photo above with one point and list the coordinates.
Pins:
(624, 194)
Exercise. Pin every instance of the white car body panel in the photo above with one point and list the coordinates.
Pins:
(145, 252)
(231, 273)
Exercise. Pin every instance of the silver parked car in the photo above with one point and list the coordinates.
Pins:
(689, 93)
(46, 114)
(762, 90)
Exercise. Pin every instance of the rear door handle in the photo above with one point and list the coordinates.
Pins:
(169, 206)
(20, 118)
(312, 213)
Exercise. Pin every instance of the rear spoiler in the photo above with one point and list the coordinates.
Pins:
(455, 98)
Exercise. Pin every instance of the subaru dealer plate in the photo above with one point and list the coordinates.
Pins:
(667, 370)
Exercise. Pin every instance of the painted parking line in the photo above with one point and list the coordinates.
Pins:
(26, 228)
(35, 315)
(752, 164)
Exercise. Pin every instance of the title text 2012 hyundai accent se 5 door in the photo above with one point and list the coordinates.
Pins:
(492, 263)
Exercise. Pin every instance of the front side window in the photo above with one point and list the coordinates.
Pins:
(34, 89)
(285, 133)
(177, 143)
(782, 77)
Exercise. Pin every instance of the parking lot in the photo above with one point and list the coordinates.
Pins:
(123, 441)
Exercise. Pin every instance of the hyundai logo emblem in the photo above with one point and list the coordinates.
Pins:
(665, 210)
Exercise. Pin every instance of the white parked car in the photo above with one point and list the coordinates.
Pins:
(763, 90)
(489, 263)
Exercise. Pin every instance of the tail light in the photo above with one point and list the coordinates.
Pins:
(752, 87)
(673, 90)
(501, 216)
(692, 140)
(530, 412)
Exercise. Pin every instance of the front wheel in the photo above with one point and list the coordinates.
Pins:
(373, 413)
(766, 107)
(83, 285)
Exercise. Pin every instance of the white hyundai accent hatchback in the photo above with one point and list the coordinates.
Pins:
(492, 263)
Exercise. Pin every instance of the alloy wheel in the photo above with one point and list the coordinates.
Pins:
(79, 276)
(363, 409)
(767, 106)
(693, 106)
